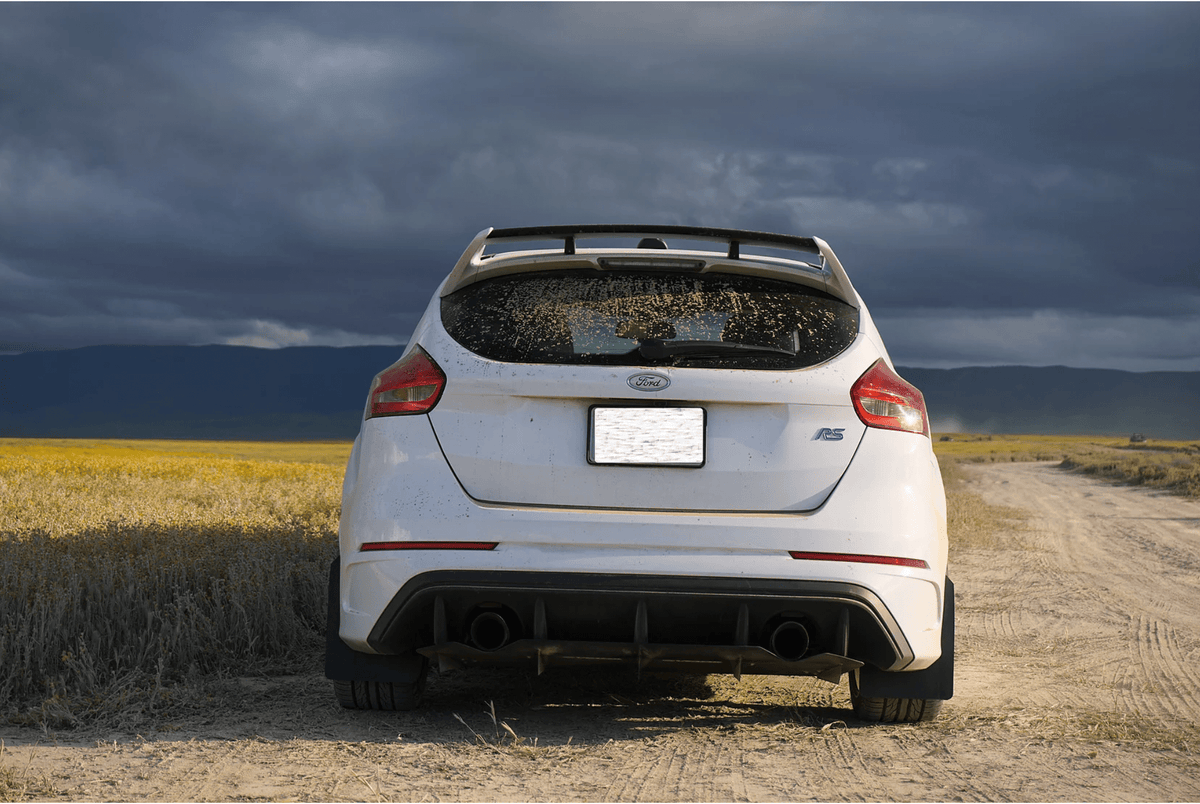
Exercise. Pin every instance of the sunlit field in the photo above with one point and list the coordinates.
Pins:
(126, 566)
(1173, 466)
(130, 569)
(1170, 465)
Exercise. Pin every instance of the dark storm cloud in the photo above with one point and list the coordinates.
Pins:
(1005, 183)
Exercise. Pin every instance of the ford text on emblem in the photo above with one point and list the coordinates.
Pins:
(648, 382)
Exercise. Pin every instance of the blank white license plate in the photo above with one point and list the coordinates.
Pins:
(646, 436)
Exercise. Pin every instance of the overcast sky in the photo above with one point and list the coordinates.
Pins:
(1005, 184)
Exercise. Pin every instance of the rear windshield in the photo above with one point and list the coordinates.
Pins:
(639, 319)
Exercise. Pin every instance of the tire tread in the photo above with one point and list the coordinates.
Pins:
(386, 696)
(892, 710)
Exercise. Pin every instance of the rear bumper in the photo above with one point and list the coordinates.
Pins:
(703, 624)
(399, 488)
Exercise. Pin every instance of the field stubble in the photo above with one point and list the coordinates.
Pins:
(1172, 466)
(142, 582)
(126, 569)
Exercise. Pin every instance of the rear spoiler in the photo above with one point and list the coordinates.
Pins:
(473, 260)
(734, 237)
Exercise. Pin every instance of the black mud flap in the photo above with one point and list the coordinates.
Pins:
(344, 664)
(935, 682)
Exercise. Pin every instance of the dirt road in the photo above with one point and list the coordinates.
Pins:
(1078, 643)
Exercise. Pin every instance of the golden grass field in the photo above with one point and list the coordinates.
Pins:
(1170, 465)
(128, 568)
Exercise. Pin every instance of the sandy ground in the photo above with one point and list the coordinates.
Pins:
(1078, 647)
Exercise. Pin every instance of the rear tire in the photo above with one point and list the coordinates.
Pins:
(891, 710)
(387, 696)
(341, 662)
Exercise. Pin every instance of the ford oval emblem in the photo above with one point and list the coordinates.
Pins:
(648, 381)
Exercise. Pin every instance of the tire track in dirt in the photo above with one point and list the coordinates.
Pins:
(933, 766)
(663, 773)
(895, 762)
(1166, 684)
(840, 761)
(724, 767)
(1125, 561)
(1017, 628)
(1000, 625)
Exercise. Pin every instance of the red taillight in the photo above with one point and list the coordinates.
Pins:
(882, 399)
(429, 546)
(413, 385)
(855, 558)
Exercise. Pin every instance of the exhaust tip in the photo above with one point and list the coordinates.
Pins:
(489, 631)
(789, 641)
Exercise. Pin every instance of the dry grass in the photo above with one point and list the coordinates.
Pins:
(1177, 471)
(1169, 465)
(972, 523)
(19, 784)
(1058, 724)
(1175, 738)
(1004, 448)
(1124, 728)
(331, 453)
(127, 566)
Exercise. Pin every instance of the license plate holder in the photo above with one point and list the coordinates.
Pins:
(647, 436)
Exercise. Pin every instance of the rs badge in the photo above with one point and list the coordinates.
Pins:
(829, 434)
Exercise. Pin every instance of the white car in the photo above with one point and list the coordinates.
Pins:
(674, 447)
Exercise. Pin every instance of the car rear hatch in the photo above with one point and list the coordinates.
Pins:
(647, 390)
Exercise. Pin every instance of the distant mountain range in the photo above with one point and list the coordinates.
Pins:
(1056, 400)
(317, 393)
(217, 392)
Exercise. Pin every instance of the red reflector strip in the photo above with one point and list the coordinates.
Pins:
(857, 559)
(428, 546)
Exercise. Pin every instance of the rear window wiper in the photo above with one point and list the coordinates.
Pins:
(655, 349)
